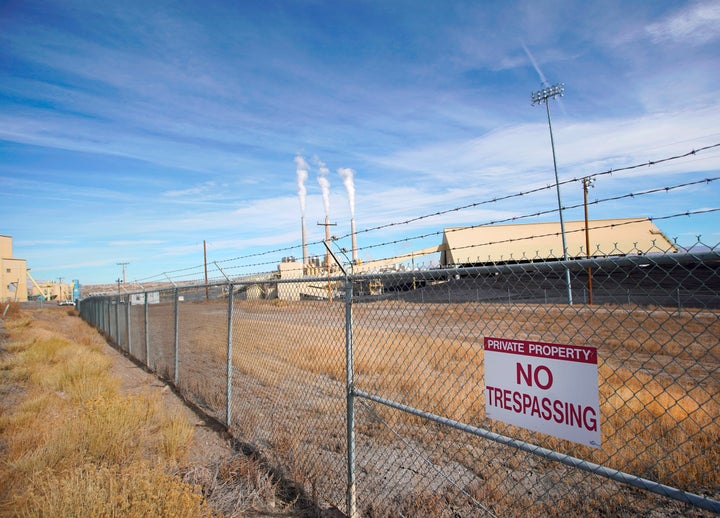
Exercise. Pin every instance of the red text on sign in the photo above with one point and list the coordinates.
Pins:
(562, 412)
(542, 376)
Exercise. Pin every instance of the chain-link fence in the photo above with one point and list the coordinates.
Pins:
(465, 391)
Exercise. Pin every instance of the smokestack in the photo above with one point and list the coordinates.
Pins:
(327, 240)
(304, 242)
(354, 241)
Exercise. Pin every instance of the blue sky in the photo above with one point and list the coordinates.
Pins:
(132, 131)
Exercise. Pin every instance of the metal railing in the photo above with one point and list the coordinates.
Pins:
(369, 390)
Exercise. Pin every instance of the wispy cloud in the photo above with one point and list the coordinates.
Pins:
(152, 129)
(582, 148)
(697, 24)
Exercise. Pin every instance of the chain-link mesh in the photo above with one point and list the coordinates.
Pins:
(137, 334)
(422, 443)
(161, 332)
(289, 384)
(658, 359)
(202, 345)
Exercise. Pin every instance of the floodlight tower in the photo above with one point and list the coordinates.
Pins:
(541, 97)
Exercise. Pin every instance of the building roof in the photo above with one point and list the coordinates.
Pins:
(542, 241)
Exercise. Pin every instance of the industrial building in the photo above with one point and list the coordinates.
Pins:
(493, 244)
(13, 274)
(496, 244)
(543, 241)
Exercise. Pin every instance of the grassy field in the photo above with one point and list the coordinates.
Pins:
(74, 443)
(659, 385)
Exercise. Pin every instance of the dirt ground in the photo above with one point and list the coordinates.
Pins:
(209, 445)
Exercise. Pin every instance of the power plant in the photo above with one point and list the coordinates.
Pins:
(464, 246)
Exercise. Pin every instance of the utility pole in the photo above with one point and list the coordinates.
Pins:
(60, 297)
(587, 182)
(541, 97)
(327, 226)
(123, 272)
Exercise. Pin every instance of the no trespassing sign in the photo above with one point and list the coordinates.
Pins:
(545, 387)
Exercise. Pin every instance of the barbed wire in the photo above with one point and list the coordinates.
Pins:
(279, 251)
(488, 243)
(539, 213)
(538, 189)
(512, 240)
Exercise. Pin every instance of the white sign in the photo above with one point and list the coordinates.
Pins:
(548, 388)
(153, 297)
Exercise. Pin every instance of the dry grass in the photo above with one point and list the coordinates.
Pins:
(135, 490)
(72, 445)
(238, 484)
(646, 414)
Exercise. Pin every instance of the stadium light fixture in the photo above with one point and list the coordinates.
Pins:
(541, 97)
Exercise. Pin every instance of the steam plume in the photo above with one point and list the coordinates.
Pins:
(324, 184)
(302, 174)
(347, 175)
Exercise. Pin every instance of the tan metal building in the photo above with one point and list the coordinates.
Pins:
(13, 274)
(543, 241)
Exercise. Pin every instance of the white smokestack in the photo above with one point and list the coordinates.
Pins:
(354, 241)
(347, 176)
(327, 240)
(304, 242)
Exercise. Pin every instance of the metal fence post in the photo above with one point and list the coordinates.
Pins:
(228, 415)
(127, 324)
(177, 332)
(117, 321)
(147, 331)
(351, 495)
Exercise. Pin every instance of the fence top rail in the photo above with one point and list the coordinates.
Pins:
(708, 257)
